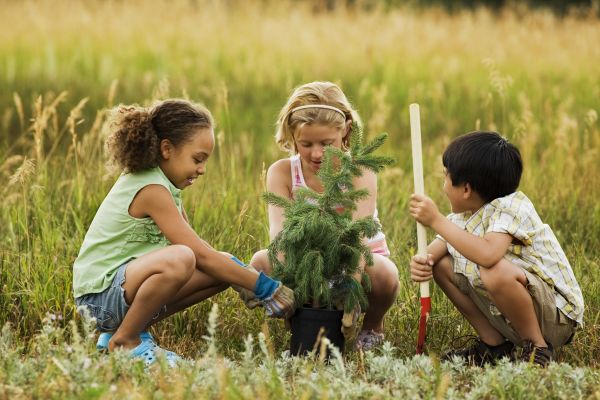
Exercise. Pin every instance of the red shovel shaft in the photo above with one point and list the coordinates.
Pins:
(425, 309)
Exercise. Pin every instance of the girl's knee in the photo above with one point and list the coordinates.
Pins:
(393, 286)
(260, 261)
(384, 278)
(181, 263)
(185, 255)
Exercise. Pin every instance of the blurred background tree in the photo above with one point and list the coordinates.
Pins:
(559, 7)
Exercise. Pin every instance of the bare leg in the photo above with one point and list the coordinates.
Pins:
(507, 285)
(199, 287)
(384, 289)
(151, 281)
(442, 274)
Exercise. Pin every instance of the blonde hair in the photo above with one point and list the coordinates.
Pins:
(295, 115)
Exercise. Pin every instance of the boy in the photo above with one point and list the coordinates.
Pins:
(499, 264)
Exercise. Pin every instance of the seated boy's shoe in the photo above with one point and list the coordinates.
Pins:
(104, 338)
(541, 356)
(480, 353)
(281, 304)
(368, 340)
(149, 352)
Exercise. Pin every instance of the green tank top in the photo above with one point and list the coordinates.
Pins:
(115, 237)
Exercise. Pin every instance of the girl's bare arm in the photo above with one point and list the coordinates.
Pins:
(366, 207)
(156, 202)
(278, 182)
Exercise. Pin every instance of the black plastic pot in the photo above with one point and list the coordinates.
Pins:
(306, 325)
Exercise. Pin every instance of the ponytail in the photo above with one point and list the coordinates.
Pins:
(134, 145)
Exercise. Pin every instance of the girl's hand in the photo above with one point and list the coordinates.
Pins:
(423, 209)
(420, 268)
(349, 322)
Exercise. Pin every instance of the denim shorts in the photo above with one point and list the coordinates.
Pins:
(109, 307)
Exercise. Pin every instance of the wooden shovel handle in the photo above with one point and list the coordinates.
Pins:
(417, 157)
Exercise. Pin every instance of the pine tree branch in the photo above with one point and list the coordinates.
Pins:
(322, 244)
(276, 200)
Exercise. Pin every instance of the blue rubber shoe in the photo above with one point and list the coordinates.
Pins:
(149, 352)
(104, 338)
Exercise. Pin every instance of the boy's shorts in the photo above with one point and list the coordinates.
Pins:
(556, 327)
(109, 307)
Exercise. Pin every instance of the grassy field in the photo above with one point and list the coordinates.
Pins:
(533, 77)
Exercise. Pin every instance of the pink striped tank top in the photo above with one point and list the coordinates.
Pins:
(377, 243)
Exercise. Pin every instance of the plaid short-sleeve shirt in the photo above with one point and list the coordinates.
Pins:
(538, 251)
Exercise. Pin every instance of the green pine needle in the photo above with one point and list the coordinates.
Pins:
(321, 244)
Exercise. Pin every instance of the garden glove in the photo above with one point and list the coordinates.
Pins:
(349, 322)
(247, 295)
(281, 304)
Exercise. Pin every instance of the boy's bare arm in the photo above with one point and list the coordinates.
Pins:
(436, 250)
(485, 251)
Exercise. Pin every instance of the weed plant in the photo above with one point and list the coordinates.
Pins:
(62, 363)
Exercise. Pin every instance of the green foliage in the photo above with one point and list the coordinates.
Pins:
(62, 363)
(320, 244)
(543, 95)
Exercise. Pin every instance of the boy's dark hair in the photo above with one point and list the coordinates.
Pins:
(134, 144)
(486, 161)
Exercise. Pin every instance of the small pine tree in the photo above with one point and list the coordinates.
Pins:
(321, 246)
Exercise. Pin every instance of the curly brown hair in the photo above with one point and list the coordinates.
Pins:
(134, 145)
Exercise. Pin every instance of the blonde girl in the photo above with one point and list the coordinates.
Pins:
(318, 115)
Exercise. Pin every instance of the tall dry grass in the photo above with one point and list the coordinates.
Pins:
(63, 64)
